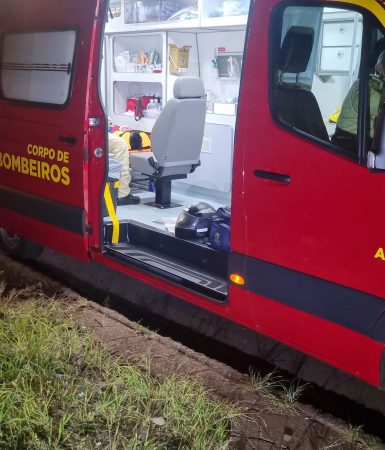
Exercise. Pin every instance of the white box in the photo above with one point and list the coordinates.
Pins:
(229, 109)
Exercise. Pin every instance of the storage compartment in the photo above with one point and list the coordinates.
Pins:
(340, 41)
(115, 8)
(336, 57)
(139, 54)
(160, 10)
(123, 91)
(229, 65)
(179, 58)
(225, 8)
(338, 34)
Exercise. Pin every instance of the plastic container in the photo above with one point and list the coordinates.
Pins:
(151, 113)
(152, 105)
(122, 62)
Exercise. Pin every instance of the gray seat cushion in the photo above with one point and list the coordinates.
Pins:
(177, 135)
(139, 162)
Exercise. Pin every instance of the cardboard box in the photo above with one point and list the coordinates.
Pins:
(179, 58)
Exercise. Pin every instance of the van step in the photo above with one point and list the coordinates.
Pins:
(171, 268)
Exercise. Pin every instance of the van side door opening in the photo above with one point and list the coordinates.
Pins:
(148, 232)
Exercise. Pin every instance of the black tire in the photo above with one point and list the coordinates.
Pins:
(13, 245)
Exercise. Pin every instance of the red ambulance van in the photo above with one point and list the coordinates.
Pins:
(306, 264)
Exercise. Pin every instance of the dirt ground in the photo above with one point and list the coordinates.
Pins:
(263, 424)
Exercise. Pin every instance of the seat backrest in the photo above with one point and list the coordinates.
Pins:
(177, 134)
(297, 106)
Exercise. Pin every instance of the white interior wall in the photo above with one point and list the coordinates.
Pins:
(232, 41)
(215, 172)
(102, 84)
(205, 43)
(330, 94)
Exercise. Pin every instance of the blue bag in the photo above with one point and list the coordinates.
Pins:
(219, 234)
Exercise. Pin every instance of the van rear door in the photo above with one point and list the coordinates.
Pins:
(49, 107)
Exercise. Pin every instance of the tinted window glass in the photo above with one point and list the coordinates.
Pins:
(316, 55)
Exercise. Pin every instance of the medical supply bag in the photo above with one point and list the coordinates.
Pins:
(219, 233)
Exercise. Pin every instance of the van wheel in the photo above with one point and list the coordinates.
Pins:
(13, 245)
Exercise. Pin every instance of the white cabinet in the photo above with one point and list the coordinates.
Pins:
(340, 41)
(137, 53)
(224, 12)
(338, 34)
(336, 59)
(115, 8)
(135, 69)
(145, 15)
(154, 11)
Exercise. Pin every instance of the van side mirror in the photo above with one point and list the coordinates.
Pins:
(376, 155)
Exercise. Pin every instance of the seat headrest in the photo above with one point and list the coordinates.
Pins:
(296, 50)
(189, 87)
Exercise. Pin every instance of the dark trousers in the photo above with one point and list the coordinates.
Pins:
(345, 140)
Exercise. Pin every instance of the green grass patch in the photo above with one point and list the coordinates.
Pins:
(60, 389)
(281, 393)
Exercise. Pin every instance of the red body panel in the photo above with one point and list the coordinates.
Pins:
(326, 223)
(53, 237)
(338, 346)
(24, 124)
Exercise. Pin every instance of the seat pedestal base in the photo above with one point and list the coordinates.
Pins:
(165, 206)
(163, 192)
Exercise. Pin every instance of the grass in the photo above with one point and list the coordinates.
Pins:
(281, 393)
(265, 384)
(285, 394)
(60, 389)
(354, 439)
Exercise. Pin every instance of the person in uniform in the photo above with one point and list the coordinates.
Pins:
(345, 135)
(118, 149)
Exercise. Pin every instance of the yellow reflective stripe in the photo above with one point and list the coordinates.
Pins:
(112, 214)
(116, 184)
(376, 7)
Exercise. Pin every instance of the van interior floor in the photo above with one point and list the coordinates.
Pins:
(152, 245)
(164, 218)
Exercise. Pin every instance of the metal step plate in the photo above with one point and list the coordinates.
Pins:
(170, 267)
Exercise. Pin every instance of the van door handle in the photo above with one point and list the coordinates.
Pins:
(273, 176)
(68, 139)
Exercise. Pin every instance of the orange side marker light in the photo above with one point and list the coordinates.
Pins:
(237, 279)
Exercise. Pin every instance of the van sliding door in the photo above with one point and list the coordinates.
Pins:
(48, 67)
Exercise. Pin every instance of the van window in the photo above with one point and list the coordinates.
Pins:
(37, 67)
(317, 76)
